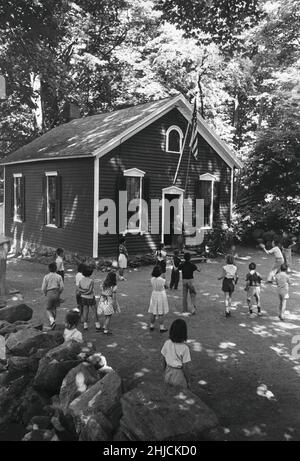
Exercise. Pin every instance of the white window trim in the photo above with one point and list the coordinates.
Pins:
(179, 131)
(15, 176)
(211, 178)
(136, 173)
(49, 174)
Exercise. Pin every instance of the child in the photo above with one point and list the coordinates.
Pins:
(253, 282)
(78, 277)
(52, 287)
(287, 245)
(123, 258)
(161, 259)
(86, 291)
(188, 270)
(159, 305)
(176, 356)
(283, 282)
(230, 278)
(71, 333)
(279, 260)
(175, 274)
(108, 304)
(60, 263)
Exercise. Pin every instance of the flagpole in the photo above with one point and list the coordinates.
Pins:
(191, 141)
(181, 153)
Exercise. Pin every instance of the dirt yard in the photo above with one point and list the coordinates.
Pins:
(242, 368)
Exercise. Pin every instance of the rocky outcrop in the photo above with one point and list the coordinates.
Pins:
(76, 382)
(56, 364)
(13, 313)
(28, 341)
(163, 413)
(101, 398)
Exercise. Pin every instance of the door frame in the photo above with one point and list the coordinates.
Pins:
(172, 190)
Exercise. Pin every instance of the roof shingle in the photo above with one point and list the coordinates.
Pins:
(83, 136)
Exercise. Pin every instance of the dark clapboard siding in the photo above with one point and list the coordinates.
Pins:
(76, 235)
(146, 151)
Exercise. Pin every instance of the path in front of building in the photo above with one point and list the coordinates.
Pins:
(242, 368)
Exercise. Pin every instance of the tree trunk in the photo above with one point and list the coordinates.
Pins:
(35, 80)
(236, 105)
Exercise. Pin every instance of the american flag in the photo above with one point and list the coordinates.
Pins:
(194, 135)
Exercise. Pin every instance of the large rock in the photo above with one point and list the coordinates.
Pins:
(55, 366)
(102, 398)
(7, 328)
(31, 404)
(65, 351)
(97, 429)
(23, 364)
(39, 435)
(10, 397)
(28, 341)
(153, 412)
(77, 381)
(13, 313)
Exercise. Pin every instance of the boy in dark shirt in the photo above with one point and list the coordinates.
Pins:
(188, 270)
(253, 283)
(175, 275)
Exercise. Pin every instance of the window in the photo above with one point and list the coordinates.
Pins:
(52, 193)
(174, 138)
(134, 186)
(209, 191)
(19, 198)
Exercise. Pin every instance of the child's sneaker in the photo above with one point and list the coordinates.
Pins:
(259, 313)
(85, 326)
(107, 332)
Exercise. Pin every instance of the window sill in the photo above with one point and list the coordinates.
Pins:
(53, 226)
(172, 152)
(133, 232)
(18, 220)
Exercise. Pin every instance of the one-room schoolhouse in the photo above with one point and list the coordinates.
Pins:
(56, 184)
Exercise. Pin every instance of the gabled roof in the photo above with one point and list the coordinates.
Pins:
(96, 135)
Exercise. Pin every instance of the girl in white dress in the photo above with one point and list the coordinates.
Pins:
(123, 258)
(159, 305)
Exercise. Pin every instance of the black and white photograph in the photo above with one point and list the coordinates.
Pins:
(149, 223)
